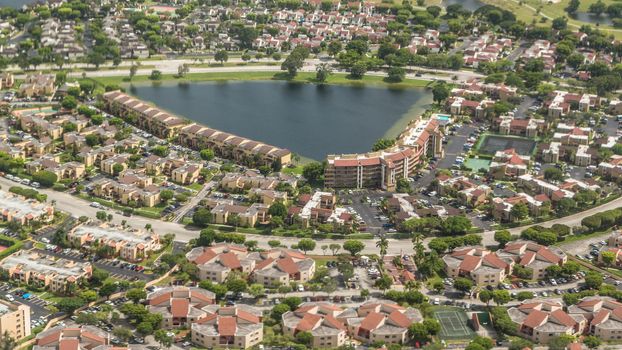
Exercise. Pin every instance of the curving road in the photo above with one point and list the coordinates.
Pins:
(78, 207)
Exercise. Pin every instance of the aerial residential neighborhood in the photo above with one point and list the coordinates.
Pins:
(190, 174)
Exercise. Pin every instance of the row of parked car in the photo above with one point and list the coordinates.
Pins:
(22, 181)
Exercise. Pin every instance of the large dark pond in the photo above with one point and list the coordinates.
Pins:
(308, 119)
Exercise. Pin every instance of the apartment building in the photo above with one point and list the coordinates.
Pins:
(38, 85)
(270, 268)
(319, 208)
(131, 245)
(95, 156)
(501, 208)
(248, 216)
(422, 138)
(479, 264)
(187, 174)
(51, 163)
(14, 319)
(238, 326)
(268, 197)
(180, 306)
(533, 256)
(193, 135)
(117, 161)
(39, 269)
(125, 193)
(542, 320)
(461, 187)
(252, 180)
(572, 135)
(215, 263)
(612, 168)
(325, 322)
(509, 125)
(22, 210)
(561, 103)
(555, 192)
(382, 322)
(74, 338)
(603, 314)
(145, 116)
(508, 164)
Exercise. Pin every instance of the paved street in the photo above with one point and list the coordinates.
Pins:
(194, 201)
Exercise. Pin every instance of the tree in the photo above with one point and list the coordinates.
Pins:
(501, 296)
(597, 8)
(485, 296)
(207, 154)
(306, 245)
(353, 246)
(334, 47)
(322, 72)
(382, 245)
(304, 338)
(560, 23)
(519, 211)
(161, 336)
(418, 332)
(608, 258)
(313, 172)
(221, 56)
(117, 169)
(358, 70)
(237, 285)
(385, 282)
(277, 209)
(45, 178)
(107, 289)
(381, 144)
(334, 248)
(136, 294)
(123, 333)
(553, 174)
(593, 280)
(202, 217)
(438, 245)
(463, 284)
(592, 342)
(440, 92)
(133, 70)
(69, 305)
(396, 74)
(88, 295)
(166, 195)
(295, 61)
(256, 290)
(561, 342)
(502, 237)
(155, 75)
(69, 102)
(206, 238)
(278, 311)
(573, 6)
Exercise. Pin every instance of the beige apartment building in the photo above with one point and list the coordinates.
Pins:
(270, 268)
(180, 306)
(382, 169)
(130, 245)
(604, 315)
(22, 210)
(479, 264)
(325, 322)
(74, 338)
(187, 174)
(382, 322)
(533, 256)
(238, 327)
(38, 269)
(14, 319)
(542, 320)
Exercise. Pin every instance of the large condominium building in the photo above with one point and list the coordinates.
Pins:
(22, 210)
(180, 306)
(132, 245)
(382, 169)
(542, 320)
(482, 266)
(382, 322)
(272, 267)
(14, 319)
(239, 326)
(533, 256)
(325, 322)
(74, 338)
(508, 164)
(163, 124)
(604, 316)
(42, 270)
(319, 208)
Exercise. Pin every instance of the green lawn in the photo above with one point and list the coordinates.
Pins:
(574, 238)
(295, 170)
(195, 186)
(303, 77)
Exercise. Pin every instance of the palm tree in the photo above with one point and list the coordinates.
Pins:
(418, 248)
(383, 245)
(7, 342)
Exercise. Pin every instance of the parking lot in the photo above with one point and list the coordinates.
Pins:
(39, 314)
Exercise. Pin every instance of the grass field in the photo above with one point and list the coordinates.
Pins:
(454, 324)
(303, 77)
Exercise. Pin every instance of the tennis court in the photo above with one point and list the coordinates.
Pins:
(454, 324)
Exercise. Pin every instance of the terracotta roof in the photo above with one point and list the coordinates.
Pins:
(49, 339)
(333, 322)
(372, 321)
(179, 307)
(69, 344)
(527, 258)
(469, 263)
(495, 261)
(247, 316)
(207, 255)
(160, 299)
(548, 255)
(599, 317)
(563, 318)
(399, 319)
(230, 260)
(288, 265)
(308, 322)
(535, 318)
(227, 326)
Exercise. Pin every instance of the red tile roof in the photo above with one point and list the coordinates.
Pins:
(399, 319)
(179, 307)
(227, 326)
(230, 260)
(288, 265)
(535, 318)
(308, 322)
(372, 321)
(469, 263)
(563, 318)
